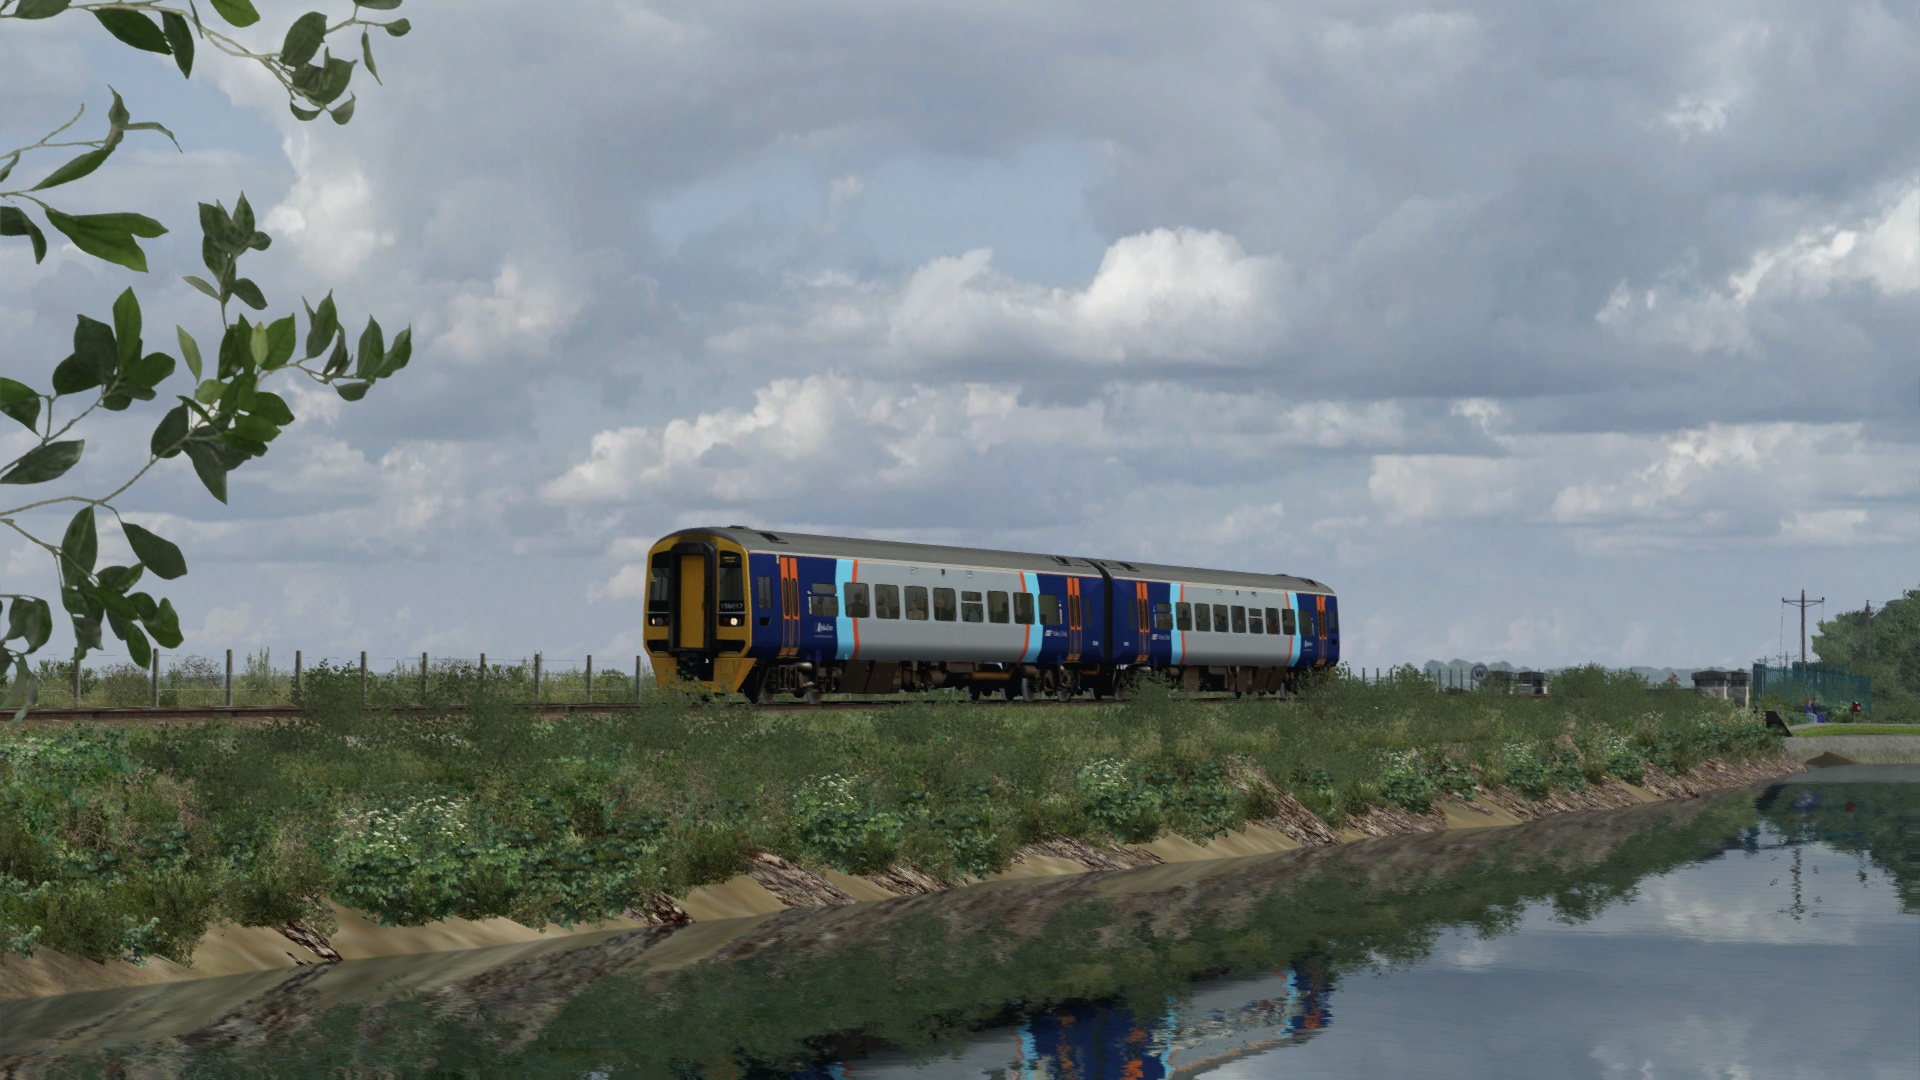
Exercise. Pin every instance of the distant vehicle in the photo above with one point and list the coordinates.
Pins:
(762, 613)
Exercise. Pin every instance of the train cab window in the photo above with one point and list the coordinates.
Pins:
(1287, 625)
(1183, 615)
(1273, 620)
(823, 603)
(917, 603)
(944, 609)
(732, 585)
(1163, 616)
(886, 601)
(1220, 618)
(1050, 610)
(971, 609)
(1239, 619)
(1023, 608)
(857, 597)
(1254, 623)
(658, 597)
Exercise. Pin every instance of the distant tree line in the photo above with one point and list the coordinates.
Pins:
(1895, 661)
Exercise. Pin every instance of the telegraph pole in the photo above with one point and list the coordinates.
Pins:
(1802, 604)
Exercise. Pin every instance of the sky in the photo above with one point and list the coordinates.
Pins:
(1542, 332)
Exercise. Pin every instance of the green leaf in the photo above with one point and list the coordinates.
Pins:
(236, 12)
(180, 38)
(373, 352)
(118, 579)
(109, 236)
(242, 221)
(79, 547)
(209, 466)
(366, 54)
(19, 401)
(353, 391)
(94, 346)
(126, 326)
(156, 553)
(343, 113)
(249, 294)
(273, 407)
(138, 650)
(75, 169)
(303, 39)
(337, 362)
(401, 352)
(153, 125)
(203, 285)
(398, 27)
(209, 391)
(48, 461)
(86, 632)
(257, 344)
(32, 619)
(166, 437)
(135, 29)
(189, 351)
(165, 626)
(322, 325)
(377, 5)
(303, 114)
(281, 336)
(15, 222)
(40, 9)
(145, 373)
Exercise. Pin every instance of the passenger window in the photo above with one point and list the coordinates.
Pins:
(825, 605)
(886, 601)
(763, 590)
(971, 609)
(1163, 616)
(1287, 625)
(857, 606)
(1050, 610)
(1254, 625)
(1202, 618)
(1333, 622)
(1273, 620)
(997, 610)
(1183, 615)
(917, 603)
(944, 609)
(1023, 608)
(1239, 619)
(1220, 618)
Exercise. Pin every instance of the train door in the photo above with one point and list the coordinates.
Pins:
(690, 631)
(789, 606)
(1076, 621)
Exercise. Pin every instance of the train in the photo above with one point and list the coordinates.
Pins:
(761, 613)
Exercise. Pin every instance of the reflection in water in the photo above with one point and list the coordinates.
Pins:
(1226, 967)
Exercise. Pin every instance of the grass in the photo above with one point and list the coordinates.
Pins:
(130, 843)
(1818, 730)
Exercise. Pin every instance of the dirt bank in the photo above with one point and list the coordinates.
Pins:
(773, 885)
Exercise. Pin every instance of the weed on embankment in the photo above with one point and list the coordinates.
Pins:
(117, 843)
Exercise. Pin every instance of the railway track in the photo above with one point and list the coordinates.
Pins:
(183, 714)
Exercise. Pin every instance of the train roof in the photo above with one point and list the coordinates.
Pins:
(843, 547)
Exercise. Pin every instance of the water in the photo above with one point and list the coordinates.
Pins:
(1769, 933)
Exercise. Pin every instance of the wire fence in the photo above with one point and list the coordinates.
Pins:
(419, 679)
(1833, 688)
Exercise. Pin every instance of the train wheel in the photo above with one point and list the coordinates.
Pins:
(813, 695)
(973, 693)
(1063, 695)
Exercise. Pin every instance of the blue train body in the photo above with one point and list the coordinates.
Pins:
(761, 612)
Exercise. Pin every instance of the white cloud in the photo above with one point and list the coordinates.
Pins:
(1164, 295)
(1880, 251)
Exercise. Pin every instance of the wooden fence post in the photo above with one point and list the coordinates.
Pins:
(536, 678)
(296, 676)
(229, 678)
(636, 680)
(363, 678)
(423, 678)
(156, 677)
(589, 678)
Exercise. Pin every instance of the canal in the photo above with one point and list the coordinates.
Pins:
(1768, 932)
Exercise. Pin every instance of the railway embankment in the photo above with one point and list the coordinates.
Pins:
(144, 856)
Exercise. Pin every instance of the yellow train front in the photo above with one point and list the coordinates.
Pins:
(758, 612)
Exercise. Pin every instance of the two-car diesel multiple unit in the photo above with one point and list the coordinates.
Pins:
(738, 609)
